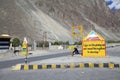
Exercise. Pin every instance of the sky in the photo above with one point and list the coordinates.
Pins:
(113, 4)
(77, 31)
(92, 34)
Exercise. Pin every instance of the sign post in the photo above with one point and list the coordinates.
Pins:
(93, 45)
(25, 49)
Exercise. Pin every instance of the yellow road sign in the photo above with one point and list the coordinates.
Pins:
(24, 45)
(93, 45)
(94, 48)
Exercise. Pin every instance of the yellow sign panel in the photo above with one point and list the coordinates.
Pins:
(24, 45)
(71, 47)
(94, 48)
(93, 45)
(24, 51)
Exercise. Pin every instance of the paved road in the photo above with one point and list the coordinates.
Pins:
(113, 51)
(62, 74)
(9, 63)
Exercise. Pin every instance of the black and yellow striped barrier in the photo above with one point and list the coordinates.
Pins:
(63, 66)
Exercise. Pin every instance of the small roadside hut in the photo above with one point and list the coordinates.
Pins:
(4, 42)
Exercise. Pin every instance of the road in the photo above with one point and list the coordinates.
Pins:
(9, 63)
(113, 51)
(62, 74)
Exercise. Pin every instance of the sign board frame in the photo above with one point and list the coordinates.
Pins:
(79, 28)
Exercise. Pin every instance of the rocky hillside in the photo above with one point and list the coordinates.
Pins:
(53, 19)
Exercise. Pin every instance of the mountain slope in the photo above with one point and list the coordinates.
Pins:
(34, 18)
(92, 14)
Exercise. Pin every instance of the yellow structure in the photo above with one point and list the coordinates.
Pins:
(71, 47)
(24, 47)
(93, 45)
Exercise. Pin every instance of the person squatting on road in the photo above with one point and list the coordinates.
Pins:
(75, 51)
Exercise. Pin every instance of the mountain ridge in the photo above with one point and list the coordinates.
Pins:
(33, 18)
